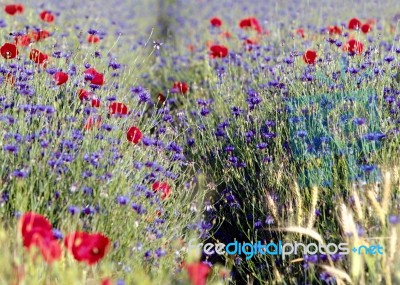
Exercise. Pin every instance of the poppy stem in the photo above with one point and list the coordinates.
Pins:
(48, 274)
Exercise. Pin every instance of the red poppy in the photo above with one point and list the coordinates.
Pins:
(91, 122)
(31, 222)
(95, 77)
(248, 43)
(191, 48)
(106, 281)
(38, 57)
(353, 46)
(354, 24)
(50, 249)
(90, 71)
(47, 16)
(300, 32)
(180, 87)
(14, 9)
(9, 51)
(83, 94)
(161, 98)
(118, 108)
(216, 22)
(226, 35)
(218, 51)
(134, 135)
(37, 231)
(93, 39)
(95, 103)
(98, 79)
(88, 248)
(40, 35)
(198, 273)
(366, 28)
(370, 22)
(23, 40)
(251, 42)
(60, 77)
(163, 187)
(310, 56)
(250, 23)
(334, 30)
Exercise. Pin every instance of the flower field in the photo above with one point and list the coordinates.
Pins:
(132, 130)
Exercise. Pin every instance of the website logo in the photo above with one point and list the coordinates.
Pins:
(282, 249)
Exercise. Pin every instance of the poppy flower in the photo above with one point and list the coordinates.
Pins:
(191, 48)
(163, 187)
(94, 76)
(92, 122)
(180, 87)
(50, 249)
(161, 98)
(9, 51)
(31, 222)
(14, 9)
(353, 46)
(37, 231)
(250, 23)
(226, 35)
(23, 40)
(371, 22)
(354, 24)
(134, 135)
(93, 39)
(251, 42)
(300, 32)
(47, 16)
(218, 51)
(38, 57)
(366, 28)
(88, 248)
(248, 43)
(118, 108)
(98, 79)
(60, 77)
(83, 94)
(334, 30)
(198, 273)
(40, 35)
(106, 281)
(310, 56)
(95, 103)
(90, 71)
(216, 22)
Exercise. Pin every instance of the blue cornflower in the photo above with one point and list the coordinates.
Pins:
(11, 148)
(20, 173)
(73, 210)
(359, 121)
(57, 234)
(122, 200)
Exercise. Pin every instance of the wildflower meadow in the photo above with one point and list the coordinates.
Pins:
(199, 142)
